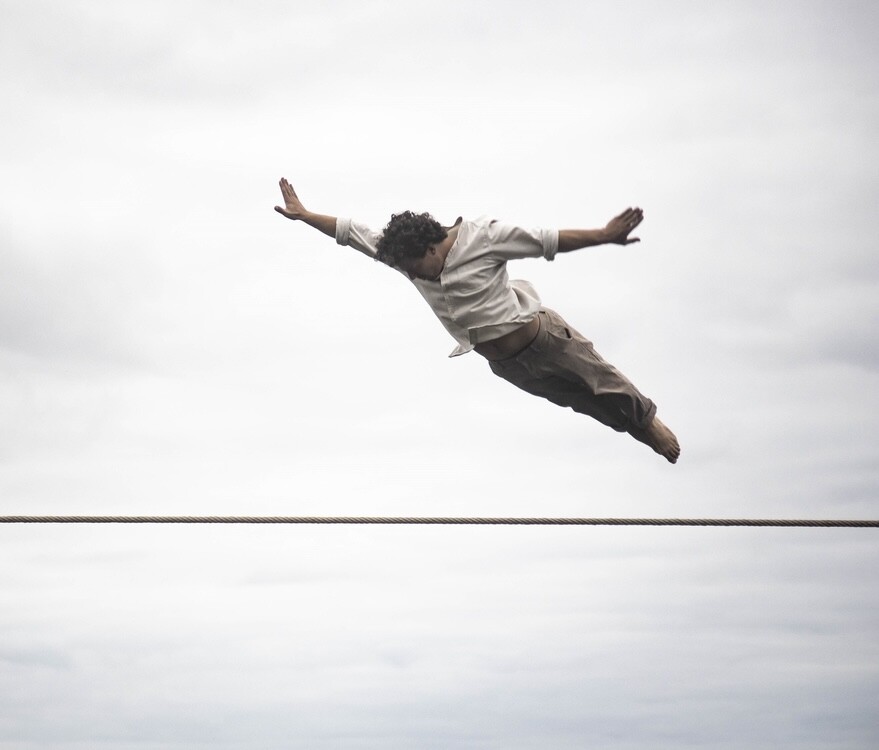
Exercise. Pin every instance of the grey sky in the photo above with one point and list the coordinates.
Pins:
(169, 344)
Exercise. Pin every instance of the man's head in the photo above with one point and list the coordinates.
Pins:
(408, 240)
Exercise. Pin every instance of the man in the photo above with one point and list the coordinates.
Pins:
(462, 273)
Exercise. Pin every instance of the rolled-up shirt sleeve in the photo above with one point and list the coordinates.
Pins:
(509, 242)
(359, 236)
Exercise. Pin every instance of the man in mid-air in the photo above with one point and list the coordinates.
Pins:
(461, 271)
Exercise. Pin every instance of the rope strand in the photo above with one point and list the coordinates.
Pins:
(434, 520)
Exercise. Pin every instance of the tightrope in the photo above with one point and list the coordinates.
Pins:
(436, 521)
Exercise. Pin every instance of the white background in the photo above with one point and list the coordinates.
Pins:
(170, 345)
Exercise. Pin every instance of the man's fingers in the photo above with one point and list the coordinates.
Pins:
(286, 188)
(288, 194)
(631, 216)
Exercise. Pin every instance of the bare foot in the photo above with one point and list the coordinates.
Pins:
(660, 438)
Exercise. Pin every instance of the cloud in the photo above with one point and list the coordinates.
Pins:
(70, 304)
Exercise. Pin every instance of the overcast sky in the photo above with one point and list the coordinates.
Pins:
(170, 345)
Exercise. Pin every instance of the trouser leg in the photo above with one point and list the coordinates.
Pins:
(562, 366)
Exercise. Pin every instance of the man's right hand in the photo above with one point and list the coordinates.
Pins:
(293, 208)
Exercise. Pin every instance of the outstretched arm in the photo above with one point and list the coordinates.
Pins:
(615, 233)
(293, 209)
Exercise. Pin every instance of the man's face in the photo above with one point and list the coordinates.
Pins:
(428, 268)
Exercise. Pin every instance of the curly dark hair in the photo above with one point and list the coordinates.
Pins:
(408, 235)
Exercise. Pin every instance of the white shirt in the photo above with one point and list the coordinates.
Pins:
(474, 297)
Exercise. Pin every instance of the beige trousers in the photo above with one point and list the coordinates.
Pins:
(561, 366)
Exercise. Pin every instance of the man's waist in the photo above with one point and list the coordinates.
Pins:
(511, 343)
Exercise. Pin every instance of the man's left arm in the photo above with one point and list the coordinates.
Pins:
(615, 233)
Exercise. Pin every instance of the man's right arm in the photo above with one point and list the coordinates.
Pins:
(293, 209)
(344, 231)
